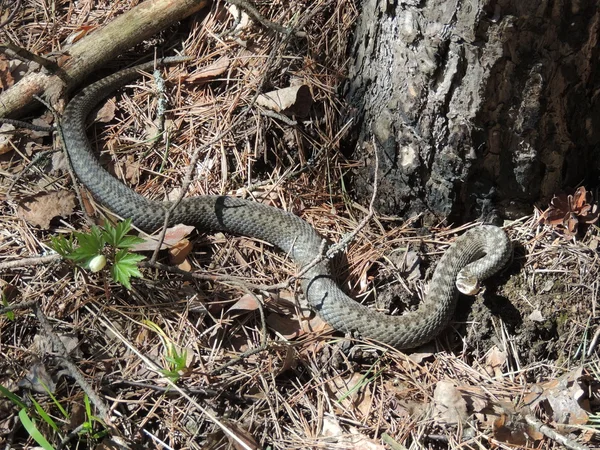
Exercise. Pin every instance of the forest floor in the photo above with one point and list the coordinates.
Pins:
(200, 358)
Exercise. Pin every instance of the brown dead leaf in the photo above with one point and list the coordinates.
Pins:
(172, 237)
(185, 265)
(565, 400)
(353, 392)
(246, 303)
(40, 209)
(180, 251)
(567, 212)
(215, 69)
(450, 406)
(291, 326)
(6, 136)
(107, 112)
(495, 361)
(131, 170)
(511, 432)
(419, 357)
(6, 78)
(38, 379)
(293, 100)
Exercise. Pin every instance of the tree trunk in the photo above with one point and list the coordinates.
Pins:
(477, 108)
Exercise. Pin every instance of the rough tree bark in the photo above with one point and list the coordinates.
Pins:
(480, 108)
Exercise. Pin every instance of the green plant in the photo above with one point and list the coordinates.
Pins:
(29, 423)
(29, 418)
(176, 359)
(10, 315)
(101, 245)
(88, 426)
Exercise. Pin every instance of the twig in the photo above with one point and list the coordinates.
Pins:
(554, 435)
(205, 392)
(74, 372)
(18, 306)
(12, 14)
(59, 131)
(278, 116)
(26, 125)
(33, 261)
(38, 156)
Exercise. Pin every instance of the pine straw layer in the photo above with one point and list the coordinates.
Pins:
(308, 388)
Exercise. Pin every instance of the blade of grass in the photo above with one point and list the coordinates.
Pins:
(33, 431)
(12, 397)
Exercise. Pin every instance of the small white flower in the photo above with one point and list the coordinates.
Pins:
(97, 263)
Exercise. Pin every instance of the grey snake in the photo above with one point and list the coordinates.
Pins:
(286, 231)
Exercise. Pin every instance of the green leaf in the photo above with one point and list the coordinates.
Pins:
(61, 245)
(44, 415)
(125, 267)
(91, 245)
(129, 241)
(12, 397)
(33, 431)
(56, 402)
(88, 406)
(114, 234)
(10, 315)
(92, 240)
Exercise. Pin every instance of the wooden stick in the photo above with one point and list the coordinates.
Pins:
(95, 50)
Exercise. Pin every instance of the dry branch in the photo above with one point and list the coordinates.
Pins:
(96, 49)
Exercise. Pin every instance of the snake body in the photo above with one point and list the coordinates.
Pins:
(291, 234)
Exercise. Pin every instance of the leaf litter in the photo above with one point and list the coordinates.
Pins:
(492, 371)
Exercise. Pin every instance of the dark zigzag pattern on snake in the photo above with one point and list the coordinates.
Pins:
(284, 230)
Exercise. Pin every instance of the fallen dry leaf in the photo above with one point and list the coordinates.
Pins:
(215, 69)
(172, 237)
(494, 361)
(450, 406)
(566, 212)
(180, 251)
(509, 431)
(131, 167)
(38, 379)
(6, 78)
(246, 303)
(536, 315)
(6, 136)
(292, 327)
(352, 392)
(565, 400)
(107, 112)
(40, 209)
(293, 100)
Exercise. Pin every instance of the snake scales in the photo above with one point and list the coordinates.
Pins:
(286, 231)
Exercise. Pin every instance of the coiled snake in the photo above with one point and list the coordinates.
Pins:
(286, 231)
